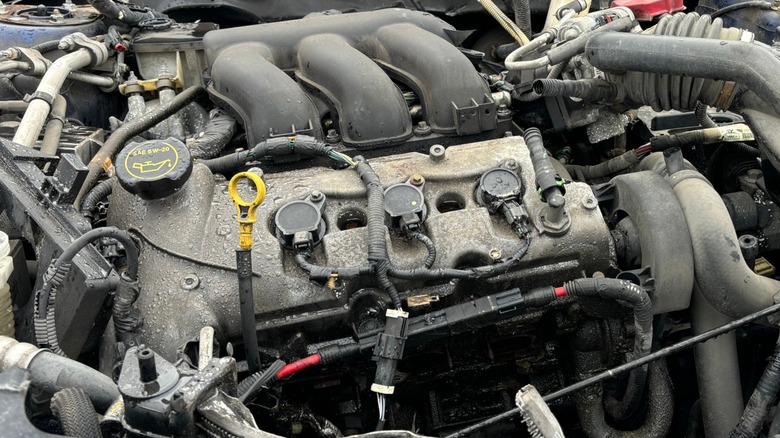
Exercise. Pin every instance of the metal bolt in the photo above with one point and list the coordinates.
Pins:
(589, 203)
(511, 164)
(417, 180)
(190, 282)
(437, 152)
(333, 136)
(422, 128)
(503, 111)
(495, 255)
(66, 43)
(316, 195)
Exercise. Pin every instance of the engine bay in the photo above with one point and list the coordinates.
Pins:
(422, 218)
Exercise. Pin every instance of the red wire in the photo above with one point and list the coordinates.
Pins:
(298, 365)
(560, 292)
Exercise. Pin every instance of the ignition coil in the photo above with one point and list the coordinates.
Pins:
(499, 190)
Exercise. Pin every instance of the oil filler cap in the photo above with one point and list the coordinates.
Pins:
(154, 169)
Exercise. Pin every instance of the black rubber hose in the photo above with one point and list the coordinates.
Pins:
(76, 413)
(522, 12)
(99, 193)
(121, 136)
(317, 272)
(747, 149)
(704, 119)
(659, 410)
(761, 401)
(635, 296)
(591, 90)
(743, 5)
(53, 373)
(377, 245)
(217, 133)
(606, 168)
(46, 46)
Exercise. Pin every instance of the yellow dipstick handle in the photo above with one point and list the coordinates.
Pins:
(246, 210)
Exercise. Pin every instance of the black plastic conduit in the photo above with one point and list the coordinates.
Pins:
(302, 144)
(635, 296)
(592, 90)
(99, 193)
(377, 245)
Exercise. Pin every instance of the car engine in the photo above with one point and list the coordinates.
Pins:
(417, 218)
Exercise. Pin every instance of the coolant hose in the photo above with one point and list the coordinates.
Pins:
(377, 245)
(761, 401)
(725, 279)
(76, 413)
(51, 137)
(659, 411)
(51, 83)
(103, 159)
(53, 373)
(717, 370)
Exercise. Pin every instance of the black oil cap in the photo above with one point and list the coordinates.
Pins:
(154, 169)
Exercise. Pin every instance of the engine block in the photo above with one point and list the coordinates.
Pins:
(189, 237)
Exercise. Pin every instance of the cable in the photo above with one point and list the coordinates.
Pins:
(628, 366)
(737, 6)
(77, 245)
(508, 25)
(299, 365)
(185, 257)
